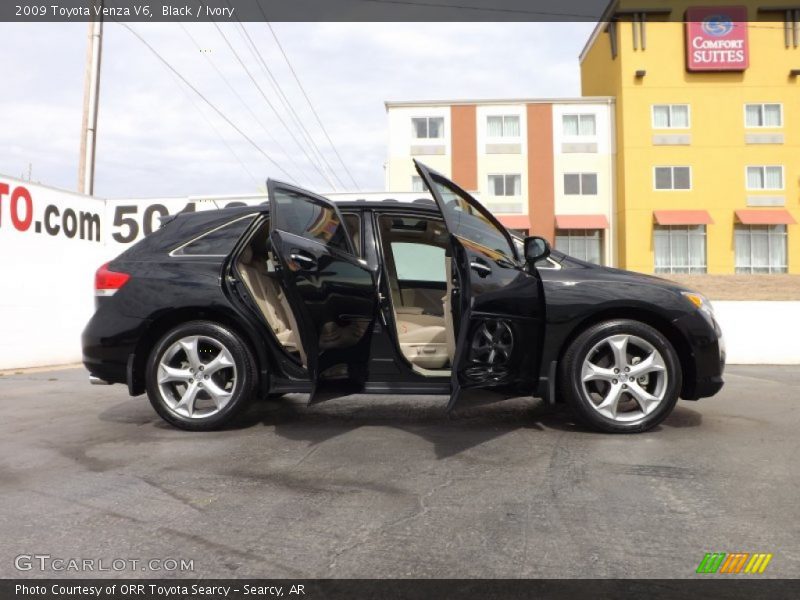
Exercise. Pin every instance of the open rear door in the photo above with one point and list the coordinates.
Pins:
(331, 293)
(497, 300)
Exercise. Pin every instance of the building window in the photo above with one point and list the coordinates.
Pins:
(680, 248)
(505, 185)
(579, 125)
(417, 184)
(760, 248)
(502, 127)
(580, 184)
(763, 115)
(673, 178)
(428, 128)
(584, 244)
(765, 178)
(670, 116)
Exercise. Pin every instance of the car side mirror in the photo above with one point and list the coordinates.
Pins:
(536, 248)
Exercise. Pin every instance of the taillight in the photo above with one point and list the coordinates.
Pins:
(107, 282)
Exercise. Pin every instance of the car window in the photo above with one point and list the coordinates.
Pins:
(468, 222)
(419, 262)
(217, 242)
(353, 223)
(310, 218)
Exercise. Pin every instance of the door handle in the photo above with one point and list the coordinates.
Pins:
(480, 268)
(304, 261)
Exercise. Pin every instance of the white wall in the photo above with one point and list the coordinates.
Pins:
(48, 258)
(46, 272)
(760, 333)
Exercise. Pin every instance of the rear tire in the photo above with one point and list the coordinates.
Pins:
(620, 376)
(200, 375)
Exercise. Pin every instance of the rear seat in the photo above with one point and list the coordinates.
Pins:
(270, 299)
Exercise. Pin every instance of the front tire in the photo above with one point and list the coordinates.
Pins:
(200, 375)
(621, 376)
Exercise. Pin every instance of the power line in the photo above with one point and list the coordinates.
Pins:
(206, 100)
(217, 132)
(310, 104)
(541, 13)
(269, 103)
(253, 80)
(276, 87)
(522, 11)
(244, 103)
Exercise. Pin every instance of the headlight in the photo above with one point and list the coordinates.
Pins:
(700, 302)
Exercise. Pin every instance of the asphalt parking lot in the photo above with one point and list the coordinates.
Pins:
(392, 487)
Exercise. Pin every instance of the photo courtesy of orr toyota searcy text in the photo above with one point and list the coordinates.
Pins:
(157, 590)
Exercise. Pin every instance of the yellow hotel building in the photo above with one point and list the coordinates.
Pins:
(707, 132)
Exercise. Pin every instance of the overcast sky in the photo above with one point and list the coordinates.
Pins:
(157, 138)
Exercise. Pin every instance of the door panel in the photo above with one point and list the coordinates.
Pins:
(497, 301)
(428, 295)
(330, 291)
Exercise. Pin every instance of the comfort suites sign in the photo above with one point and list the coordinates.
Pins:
(716, 38)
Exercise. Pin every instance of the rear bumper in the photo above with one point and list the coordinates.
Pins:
(107, 342)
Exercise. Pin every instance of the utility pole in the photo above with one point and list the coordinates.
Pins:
(91, 97)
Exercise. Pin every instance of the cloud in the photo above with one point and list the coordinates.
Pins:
(156, 138)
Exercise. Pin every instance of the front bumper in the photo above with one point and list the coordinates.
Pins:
(704, 360)
(707, 387)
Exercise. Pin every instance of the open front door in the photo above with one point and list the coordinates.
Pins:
(497, 300)
(331, 293)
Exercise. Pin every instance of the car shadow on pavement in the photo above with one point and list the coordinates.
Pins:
(426, 417)
(477, 421)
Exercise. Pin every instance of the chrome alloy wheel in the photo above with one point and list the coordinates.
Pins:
(490, 353)
(196, 377)
(624, 377)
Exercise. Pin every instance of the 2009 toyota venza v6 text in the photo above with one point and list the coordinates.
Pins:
(304, 295)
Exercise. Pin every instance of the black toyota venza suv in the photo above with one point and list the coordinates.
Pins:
(301, 294)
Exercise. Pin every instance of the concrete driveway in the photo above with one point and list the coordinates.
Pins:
(392, 487)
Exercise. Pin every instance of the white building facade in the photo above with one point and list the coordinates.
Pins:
(543, 167)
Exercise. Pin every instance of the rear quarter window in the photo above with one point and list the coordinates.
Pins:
(216, 242)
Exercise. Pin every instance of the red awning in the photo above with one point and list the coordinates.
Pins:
(683, 217)
(765, 217)
(515, 221)
(581, 222)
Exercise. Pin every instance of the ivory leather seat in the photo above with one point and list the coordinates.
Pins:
(423, 338)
